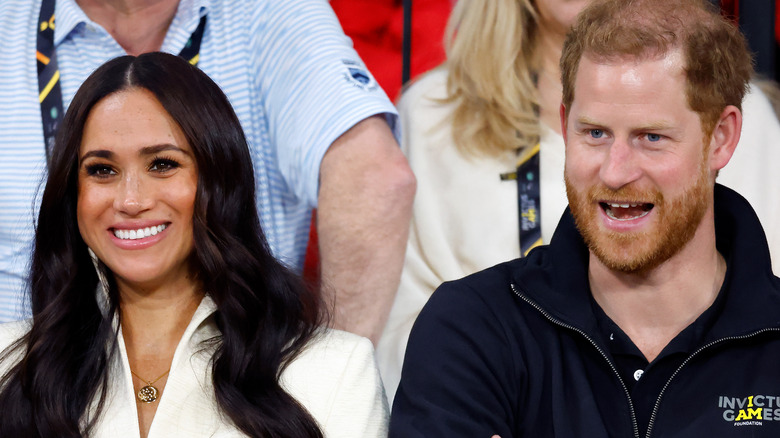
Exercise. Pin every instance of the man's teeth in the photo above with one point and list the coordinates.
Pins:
(623, 205)
(139, 233)
(626, 215)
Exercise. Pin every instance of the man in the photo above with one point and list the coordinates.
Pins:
(316, 121)
(653, 311)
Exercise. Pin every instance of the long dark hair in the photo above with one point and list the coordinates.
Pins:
(265, 314)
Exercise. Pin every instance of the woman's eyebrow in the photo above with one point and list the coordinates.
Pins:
(98, 153)
(154, 149)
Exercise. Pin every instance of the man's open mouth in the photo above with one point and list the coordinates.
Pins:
(626, 211)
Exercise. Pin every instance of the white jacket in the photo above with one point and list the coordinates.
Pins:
(334, 378)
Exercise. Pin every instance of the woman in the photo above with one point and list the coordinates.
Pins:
(195, 329)
(468, 124)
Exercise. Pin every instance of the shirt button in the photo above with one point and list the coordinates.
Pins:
(638, 374)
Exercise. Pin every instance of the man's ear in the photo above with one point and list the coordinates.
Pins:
(725, 137)
(563, 122)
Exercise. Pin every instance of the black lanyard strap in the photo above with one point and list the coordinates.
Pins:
(191, 50)
(529, 200)
(529, 197)
(49, 90)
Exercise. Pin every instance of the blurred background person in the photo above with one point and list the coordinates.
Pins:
(376, 28)
(482, 135)
(158, 307)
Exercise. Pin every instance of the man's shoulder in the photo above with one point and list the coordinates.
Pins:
(541, 277)
(536, 264)
(18, 19)
(501, 273)
(490, 288)
(17, 8)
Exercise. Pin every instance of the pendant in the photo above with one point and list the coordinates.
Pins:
(147, 394)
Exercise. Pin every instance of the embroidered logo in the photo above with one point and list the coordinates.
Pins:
(358, 76)
(751, 410)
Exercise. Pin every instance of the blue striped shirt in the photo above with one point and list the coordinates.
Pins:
(291, 74)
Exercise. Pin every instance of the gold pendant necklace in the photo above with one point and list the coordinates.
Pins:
(148, 393)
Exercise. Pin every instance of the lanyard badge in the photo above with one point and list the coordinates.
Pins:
(528, 199)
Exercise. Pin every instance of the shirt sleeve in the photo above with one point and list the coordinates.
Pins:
(313, 85)
(458, 377)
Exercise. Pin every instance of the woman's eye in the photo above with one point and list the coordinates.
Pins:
(653, 137)
(596, 133)
(163, 165)
(100, 170)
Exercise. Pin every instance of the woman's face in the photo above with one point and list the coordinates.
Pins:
(137, 180)
(559, 15)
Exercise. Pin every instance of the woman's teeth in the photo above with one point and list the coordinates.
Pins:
(139, 233)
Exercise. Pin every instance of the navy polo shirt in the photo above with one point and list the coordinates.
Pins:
(645, 380)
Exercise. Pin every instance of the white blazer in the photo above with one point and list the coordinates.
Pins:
(335, 378)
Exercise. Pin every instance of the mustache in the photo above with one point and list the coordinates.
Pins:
(629, 193)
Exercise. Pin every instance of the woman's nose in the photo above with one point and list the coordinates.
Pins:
(132, 197)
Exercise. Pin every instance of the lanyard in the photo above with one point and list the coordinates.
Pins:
(49, 90)
(528, 199)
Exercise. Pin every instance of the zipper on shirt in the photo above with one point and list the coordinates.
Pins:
(688, 359)
(596, 346)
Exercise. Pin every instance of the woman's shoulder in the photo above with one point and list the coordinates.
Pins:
(335, 378)
(329, 352)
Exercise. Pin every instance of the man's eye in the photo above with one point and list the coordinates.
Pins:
(653, 137)
(596, 133)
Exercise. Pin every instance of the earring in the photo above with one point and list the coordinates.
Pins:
(102, 289)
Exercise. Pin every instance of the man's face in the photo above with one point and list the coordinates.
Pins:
(637, 168)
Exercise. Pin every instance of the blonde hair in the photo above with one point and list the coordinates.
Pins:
(490, 63)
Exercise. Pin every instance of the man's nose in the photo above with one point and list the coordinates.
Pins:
(620, 166)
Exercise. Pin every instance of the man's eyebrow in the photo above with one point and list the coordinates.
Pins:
(584, 120)
(656, 126)
(652, 126)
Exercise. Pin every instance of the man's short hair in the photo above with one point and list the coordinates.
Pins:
(718, 64)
